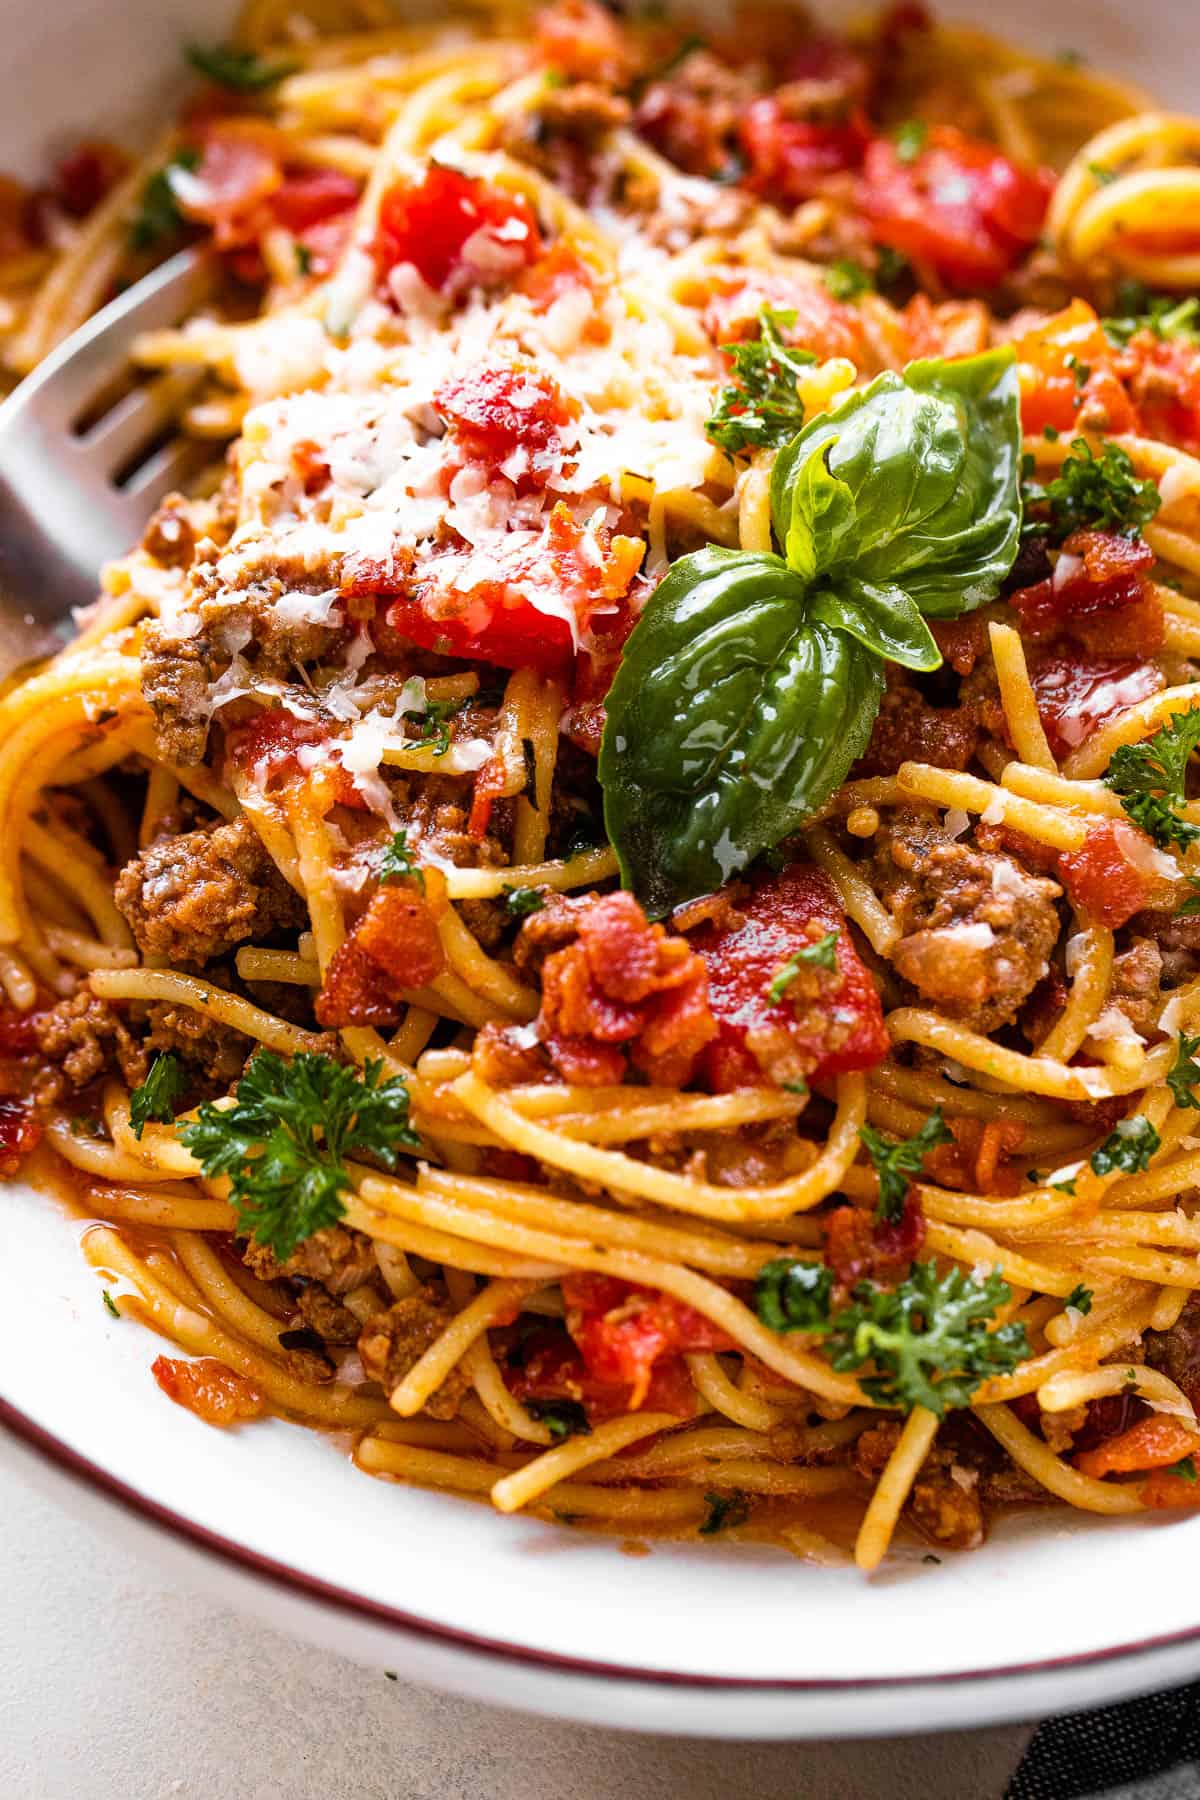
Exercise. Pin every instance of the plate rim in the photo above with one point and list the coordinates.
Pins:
(300, 1584)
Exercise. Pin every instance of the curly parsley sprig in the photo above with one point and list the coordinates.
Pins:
(761, 409)
(897, 1163)
(1128, 1149)
(156, 1097)
(1099, 493)
(283, 1142)
(1151, 780)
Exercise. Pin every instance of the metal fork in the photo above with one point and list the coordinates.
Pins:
(88, 447)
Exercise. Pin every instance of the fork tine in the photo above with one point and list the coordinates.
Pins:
(137, 419)
(170, 467)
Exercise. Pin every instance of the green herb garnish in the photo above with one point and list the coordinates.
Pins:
(1079, 1299)
(847, 279)
(156, 1097)
(821, 955)
(562, 1418)
(398, 863)
(725, 1510)
(158, 216)
(1151, 778)
(790, 1295)
(282, 1144)
(1185, 1468)
(109, 1303)
(1127, 1149)
(900, 504)
(241, 71)
(1165, 315)
(910, 139)
(520, 902)
(761, 409)
(896, 1163)
(1100, 493)
(1184, 1074)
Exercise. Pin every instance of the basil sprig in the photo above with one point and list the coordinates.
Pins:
(752, 680)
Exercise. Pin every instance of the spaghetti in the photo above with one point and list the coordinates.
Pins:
(781, 1125)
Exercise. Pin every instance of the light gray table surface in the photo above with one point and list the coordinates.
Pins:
(118, 1684)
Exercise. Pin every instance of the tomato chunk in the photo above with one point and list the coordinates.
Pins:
(1098, 594)
(210, 1389)
(623, 1330)
(790, 158)
(272, 746)
(1152, 1443)
(507, 417)
(1113, 875)
(823, 325)
(959, 207)
(547, 1365)
(825, 1023)
(20, 1133)
(582, 39)
(1165, 381)
(527, 610)
(455, 231)
(1068, 373)
(1076, 694)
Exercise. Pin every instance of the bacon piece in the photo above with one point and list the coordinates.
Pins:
(507, 417)
(547, 1365)
(827, 1021)
(623, 1330)
(455, 231)
(1076, 694)
(859, 1247)
(1099, 595)
(1153, 1443)
(394, 946)
(240, 167)
(210, 1389)
(623, 989)
(1113, 875)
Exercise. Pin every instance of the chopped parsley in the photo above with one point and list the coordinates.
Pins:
(761, 409)
(897, 1163)
(398, 862)
(1127, 1149)
(156, 1097)
(1066, 1186)
(926, 1338)
(304, 259)
(158, 216)
(562, 1418)
(909, 139)
(1101, 173)
(435, 726)
(1184, 1074)
(799, 1086)
(725, 1510)
(819, 955)
(1191, 906)
(1185, 1468)
(1079, 1299)
(847, 279)
(282, 1144)
(521, 901)
(1165, 315)
(109, 1303)
(1151, 777)
(790, 1295)
(1099, 492)
(241, 71)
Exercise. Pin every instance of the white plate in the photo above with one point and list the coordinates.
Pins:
(1056, 1611)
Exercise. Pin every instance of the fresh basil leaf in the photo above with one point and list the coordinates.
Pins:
(732, 717)
(931, 460)
(882, 618)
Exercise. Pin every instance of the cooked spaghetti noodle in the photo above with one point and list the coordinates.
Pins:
(791, 1139)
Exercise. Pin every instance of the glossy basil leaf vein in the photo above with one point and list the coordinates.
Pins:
(751, 681)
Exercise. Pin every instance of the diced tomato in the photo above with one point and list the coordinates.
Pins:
(547, 1365)
(1068, 373)
(210, 1389)
(1113, 876)
(948, 328)
(455, 230)
(1153, 1443)
(562, 269)
(497, 619)
(960, 207)
(622, 1331)
(240, 167)
(1097, 594)
(829, 1021)
(823, 325)
(1076, 694)
(789, 159)
(269, 746)
(1164, 376)
(582, 39)
(394, 946)
(20, 1133)
(507, 417)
